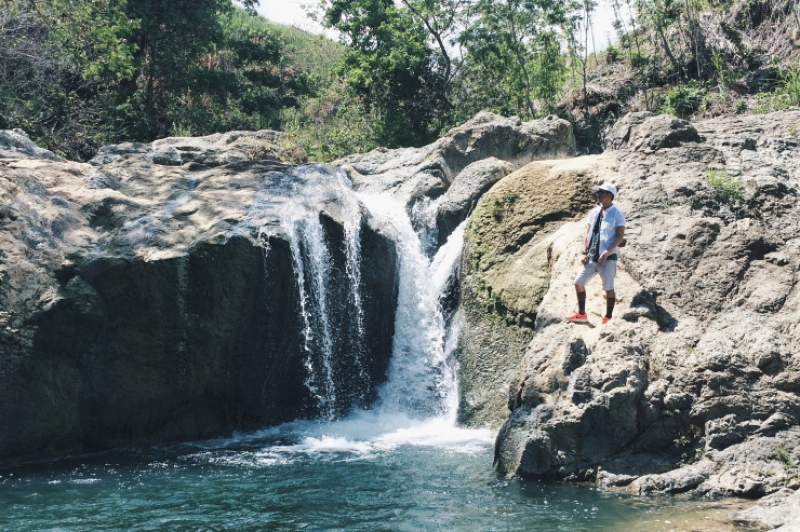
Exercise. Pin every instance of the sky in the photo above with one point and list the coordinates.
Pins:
(292, 13)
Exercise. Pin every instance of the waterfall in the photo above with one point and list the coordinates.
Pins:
(315, 186)
(308, 247)
(421, 379)
(423, 220)
(351, 210)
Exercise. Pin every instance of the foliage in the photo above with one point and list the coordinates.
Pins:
(77, 74)
(730, 189)
(191, 67)
(55, 62)
(391, 67)
(612, 54)
(784, 457)
(685, 100)
(514, 52)
(790, 85)
(785, 94)
(328, 126)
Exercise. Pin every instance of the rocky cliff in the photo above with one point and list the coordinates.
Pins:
(189, 287)
(158, 293)
(694, 385)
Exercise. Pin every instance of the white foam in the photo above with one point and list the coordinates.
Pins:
(363, 435)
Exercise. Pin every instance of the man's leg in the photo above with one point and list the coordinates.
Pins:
(580, 291)
(611, 300)
(588, 271)
(608, 272)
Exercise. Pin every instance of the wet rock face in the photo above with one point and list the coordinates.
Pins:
(691, 387)
(147, 301)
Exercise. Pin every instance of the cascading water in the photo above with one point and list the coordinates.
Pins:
(308, 247)
(421, 380)
(315, 186)
(423, 220)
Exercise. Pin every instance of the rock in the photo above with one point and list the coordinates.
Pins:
(200, 152)
(620, 134)
(644, 132)
(606, 480)
(463, 194)
(678, 481)
(144, 301)
(418, 175)
(505, 274)
(595, 102)
(778, 511)
(694, 379)
(16, 144)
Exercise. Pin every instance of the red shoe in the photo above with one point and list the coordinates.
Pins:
(577, 318)
(605, 320)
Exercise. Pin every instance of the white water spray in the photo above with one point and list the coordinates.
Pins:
(421, 380)
(313, 267)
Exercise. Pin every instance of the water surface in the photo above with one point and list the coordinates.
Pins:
(362, 474)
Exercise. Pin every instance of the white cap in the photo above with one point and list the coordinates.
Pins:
(607, 187)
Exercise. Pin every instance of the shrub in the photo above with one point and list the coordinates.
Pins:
(612, 54)
(786, 93)
(768, 102)
(730, 189)
(790, 85)
(637, 59)
(685, 100)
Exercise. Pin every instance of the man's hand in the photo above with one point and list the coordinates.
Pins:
(603, 257)
(585, 258)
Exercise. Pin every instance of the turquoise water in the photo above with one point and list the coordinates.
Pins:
(354, 476)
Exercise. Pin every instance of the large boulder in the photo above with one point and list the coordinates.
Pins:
(479, 153)
(505, 273)
(691, 386)
(644, 132)
(155, 294)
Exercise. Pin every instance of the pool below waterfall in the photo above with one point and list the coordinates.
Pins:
(365, 473)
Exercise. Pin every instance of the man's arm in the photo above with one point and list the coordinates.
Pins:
(614, 245)
(585, 258)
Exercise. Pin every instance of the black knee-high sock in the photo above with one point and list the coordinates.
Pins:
(610, 301)
(582, 302)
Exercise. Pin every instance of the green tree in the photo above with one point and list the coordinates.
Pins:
(515, 45)
(442, 19)
(58, 59)
(77, 74)
(170, 39)
(391, 67)
(658, 16)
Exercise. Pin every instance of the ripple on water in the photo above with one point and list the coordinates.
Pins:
(307, 476)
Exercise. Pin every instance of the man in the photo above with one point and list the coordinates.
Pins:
(605, 230)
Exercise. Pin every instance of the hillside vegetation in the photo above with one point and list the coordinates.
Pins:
(78, 74)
